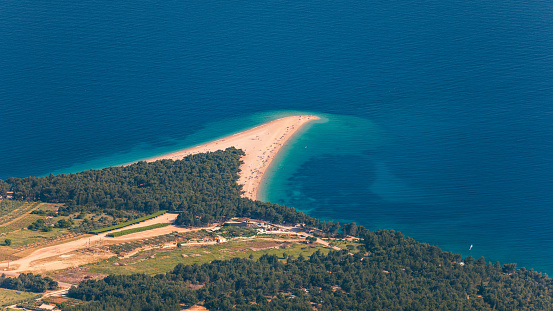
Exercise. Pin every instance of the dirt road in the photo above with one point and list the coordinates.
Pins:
(57, 257)
(298, 231)
(24, 264)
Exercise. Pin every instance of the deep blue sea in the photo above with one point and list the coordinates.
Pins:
(437, 115)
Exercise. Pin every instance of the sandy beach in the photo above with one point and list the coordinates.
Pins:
(261, 144)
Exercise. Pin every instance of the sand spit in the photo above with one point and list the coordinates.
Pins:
(261, 144)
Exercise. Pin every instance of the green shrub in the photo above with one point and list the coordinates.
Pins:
(127, 223)
(129, 231)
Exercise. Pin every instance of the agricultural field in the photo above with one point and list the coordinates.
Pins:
(6, 209)
(122, 249)
(11, 211)
(162, 253)
(86, 222)
(30, 239)
(20, 216)
(20, 223)
(128, 223)
(9, 297)
(161, 260)
(141, 253)
(139, 229)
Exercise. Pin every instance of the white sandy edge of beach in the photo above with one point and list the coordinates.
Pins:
(261, 144)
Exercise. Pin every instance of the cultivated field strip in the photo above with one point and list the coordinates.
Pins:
(25, 208)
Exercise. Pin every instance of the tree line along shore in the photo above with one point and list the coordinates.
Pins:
(389, 272)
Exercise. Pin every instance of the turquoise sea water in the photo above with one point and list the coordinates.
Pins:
(436, 116)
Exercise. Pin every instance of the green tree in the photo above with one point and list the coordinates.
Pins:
(350, 229)
(8, 242)
(63, 223)
(509, 267)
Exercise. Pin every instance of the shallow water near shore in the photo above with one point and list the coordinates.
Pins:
(436, 115)
(349, 169)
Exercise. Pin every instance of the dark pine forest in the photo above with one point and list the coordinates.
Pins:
(387, 272)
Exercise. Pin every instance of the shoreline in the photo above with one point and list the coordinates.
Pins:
(261, 144)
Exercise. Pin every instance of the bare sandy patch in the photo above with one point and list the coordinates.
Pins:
(197, 308)
(29, 262)
(76, 275)
(72, 260)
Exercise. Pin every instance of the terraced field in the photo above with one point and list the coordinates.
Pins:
(15, 217)
(19, 223)
(10, 210)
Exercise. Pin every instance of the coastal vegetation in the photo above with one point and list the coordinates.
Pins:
(396, 273)
(154, 260)
(201, 187)
(28, 282)
(374, 270)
